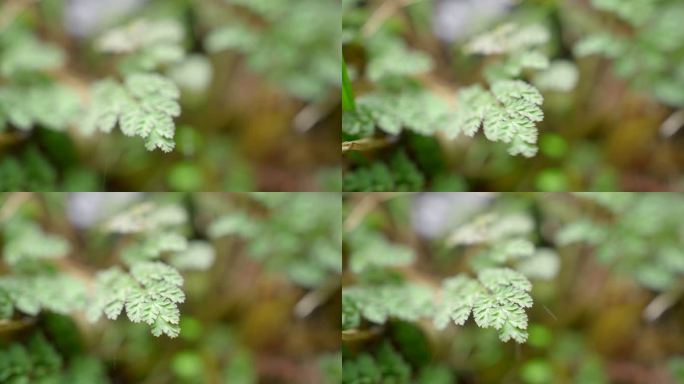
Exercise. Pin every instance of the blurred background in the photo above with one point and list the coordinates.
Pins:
(259, 311)
(618, 129)
(259, 85)
(607, 301)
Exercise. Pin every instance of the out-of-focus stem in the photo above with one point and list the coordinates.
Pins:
(382, 13)
(365, 144)
(348, 103)
(10, 10)
(15, 325)
(13, 202)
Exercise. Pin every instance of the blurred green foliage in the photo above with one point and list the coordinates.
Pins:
(607, 298)
(414, 66)
(255, 116)
(637, 234)
(250, 311)
(301, 236)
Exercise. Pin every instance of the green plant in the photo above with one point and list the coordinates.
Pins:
(401, 174)
(67, 260)
(415, 262)
(81, 84)
(149, 290)
(300, 236)
(497, 297)
(37, 361)
(508, 111)
(29, 95)
(145, 107)
(644, 43)
(272, 35)
(386, 366)
(636, 234)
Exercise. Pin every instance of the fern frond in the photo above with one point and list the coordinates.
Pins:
(601, 43)
(508, 38)
(408, 302)
(277, 239)
(36, 362)
(400, 174)
(147, 217)
(497, 300)
(419, 111)
(25, 53)
(144, 107)
(51, 106)
(392, 59)
(148, 43)
(560, 76)
(369, 251)
(490, 228)
(459, 295)
(235, 35)
(358, 122)
(511, 249)
(150, 294)
(26, 242)
(112, 287)
(581, 231)
(31, 294)
(636, 12)
(272, 47)
(239, 224)
(387, 367)
(509, 114)
(151, 290)
(637, 234)
(198, 255)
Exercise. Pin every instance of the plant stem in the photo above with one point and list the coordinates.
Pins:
(10, 10)
(348, 103)
(365, 144)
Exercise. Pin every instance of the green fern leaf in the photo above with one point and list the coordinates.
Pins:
(148, 44)
(233, 36)
(31, 294)
(198, 255)
(112, 287)
(560, 76)
(459, 295)
(601, 43)
(27, 54)
(378, 304)
(150, 294)
(637, 12)
(369, 251)
(145, 107)
(392, 58)
(497, 299)
(147, 217)
(26, 242)
(509, 116)
(508, 38)
(494, 278)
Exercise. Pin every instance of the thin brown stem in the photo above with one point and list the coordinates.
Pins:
(366, 205)
(12, 204)
(10, 10)
(365, 144)
(382, 13)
